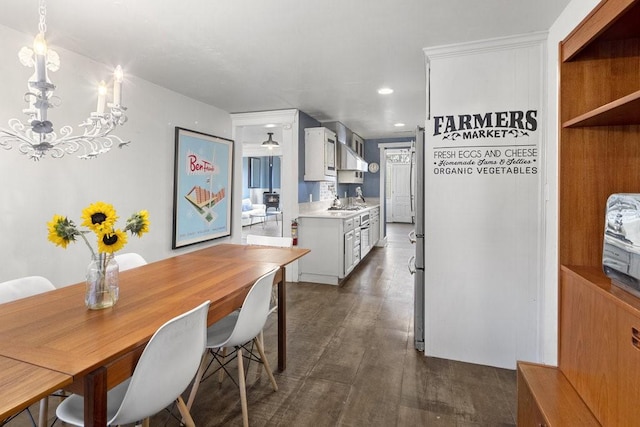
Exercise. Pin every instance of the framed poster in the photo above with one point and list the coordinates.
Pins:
(201, 187)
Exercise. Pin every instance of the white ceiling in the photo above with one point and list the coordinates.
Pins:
(324, 57)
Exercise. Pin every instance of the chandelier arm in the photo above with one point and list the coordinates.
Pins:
(11, 135)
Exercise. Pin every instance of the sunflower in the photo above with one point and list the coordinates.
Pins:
(138, 223)
(100, 217)
(62, 231)
(112, 241)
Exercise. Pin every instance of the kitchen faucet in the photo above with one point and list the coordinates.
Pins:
(359, 196)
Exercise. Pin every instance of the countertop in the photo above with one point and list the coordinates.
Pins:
(342, 214)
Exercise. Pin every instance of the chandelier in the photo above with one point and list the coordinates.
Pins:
(36, 137)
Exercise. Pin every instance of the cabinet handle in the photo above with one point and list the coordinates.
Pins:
(635, 338)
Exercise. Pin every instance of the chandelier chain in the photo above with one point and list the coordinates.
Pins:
(42, 9)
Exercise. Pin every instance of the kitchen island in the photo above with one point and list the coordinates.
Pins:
(338, 239)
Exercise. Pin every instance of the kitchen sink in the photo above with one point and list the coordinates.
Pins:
(350, 208)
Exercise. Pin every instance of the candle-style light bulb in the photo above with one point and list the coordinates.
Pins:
(40, 49)
(40, 44)
(118, 74)
(102, 93)
(118, 77)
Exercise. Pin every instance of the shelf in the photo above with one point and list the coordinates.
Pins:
(596, 277)
(558, 401)
(610, 20)
(598, 155)
(623, 111)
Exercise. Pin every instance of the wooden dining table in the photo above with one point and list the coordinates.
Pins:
(255, 253)
(98, 349)
(22, 384)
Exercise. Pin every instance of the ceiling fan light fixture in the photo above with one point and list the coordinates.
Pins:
(270, 143)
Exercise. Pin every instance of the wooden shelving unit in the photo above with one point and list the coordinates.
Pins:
(621, 112)
(599, 352)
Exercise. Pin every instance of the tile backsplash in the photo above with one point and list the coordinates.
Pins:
(327, 190)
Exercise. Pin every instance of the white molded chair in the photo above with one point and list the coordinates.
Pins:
(24, 287)
(280, 242)
(21, 288)
(129, 260)
(165, 369)
(237, 329)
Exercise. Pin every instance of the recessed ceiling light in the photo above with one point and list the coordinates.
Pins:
(270, 125)
(399, 125)
(385, 91)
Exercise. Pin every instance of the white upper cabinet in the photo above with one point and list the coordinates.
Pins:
(319, 154)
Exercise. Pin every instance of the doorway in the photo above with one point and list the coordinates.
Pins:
(249, 131)
(398, 186)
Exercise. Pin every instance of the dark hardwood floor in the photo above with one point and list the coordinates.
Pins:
(351, 362)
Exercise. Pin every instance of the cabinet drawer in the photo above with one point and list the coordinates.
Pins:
(588, 344)
(348, 224)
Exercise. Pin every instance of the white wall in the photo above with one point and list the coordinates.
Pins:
(136, 177)
(482, 222)
(566, 22)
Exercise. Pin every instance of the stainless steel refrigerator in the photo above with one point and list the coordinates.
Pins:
(416, 263)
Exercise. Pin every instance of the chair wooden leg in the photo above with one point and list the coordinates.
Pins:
(196, 381)
(44, 412)
(259, 369)
(184, 411)
(146, 422)
(265, 362)
(243, 390)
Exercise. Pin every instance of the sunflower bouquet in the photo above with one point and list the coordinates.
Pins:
(102, 273)
(100, 218)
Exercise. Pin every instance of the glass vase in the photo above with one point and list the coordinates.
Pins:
(102, 282)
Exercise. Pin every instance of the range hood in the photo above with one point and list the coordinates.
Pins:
(346, 158)
(349, 160)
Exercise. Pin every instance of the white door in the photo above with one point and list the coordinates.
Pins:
(401, 192)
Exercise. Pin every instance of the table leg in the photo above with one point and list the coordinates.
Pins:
(282, 322)
(95, 398)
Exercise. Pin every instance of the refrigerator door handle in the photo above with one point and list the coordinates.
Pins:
(411, 189)
(412, 236)
(411, 265)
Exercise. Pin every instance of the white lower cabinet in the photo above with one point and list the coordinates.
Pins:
(374, 229)
(349, 255)
(335, 244)
(326, 237)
